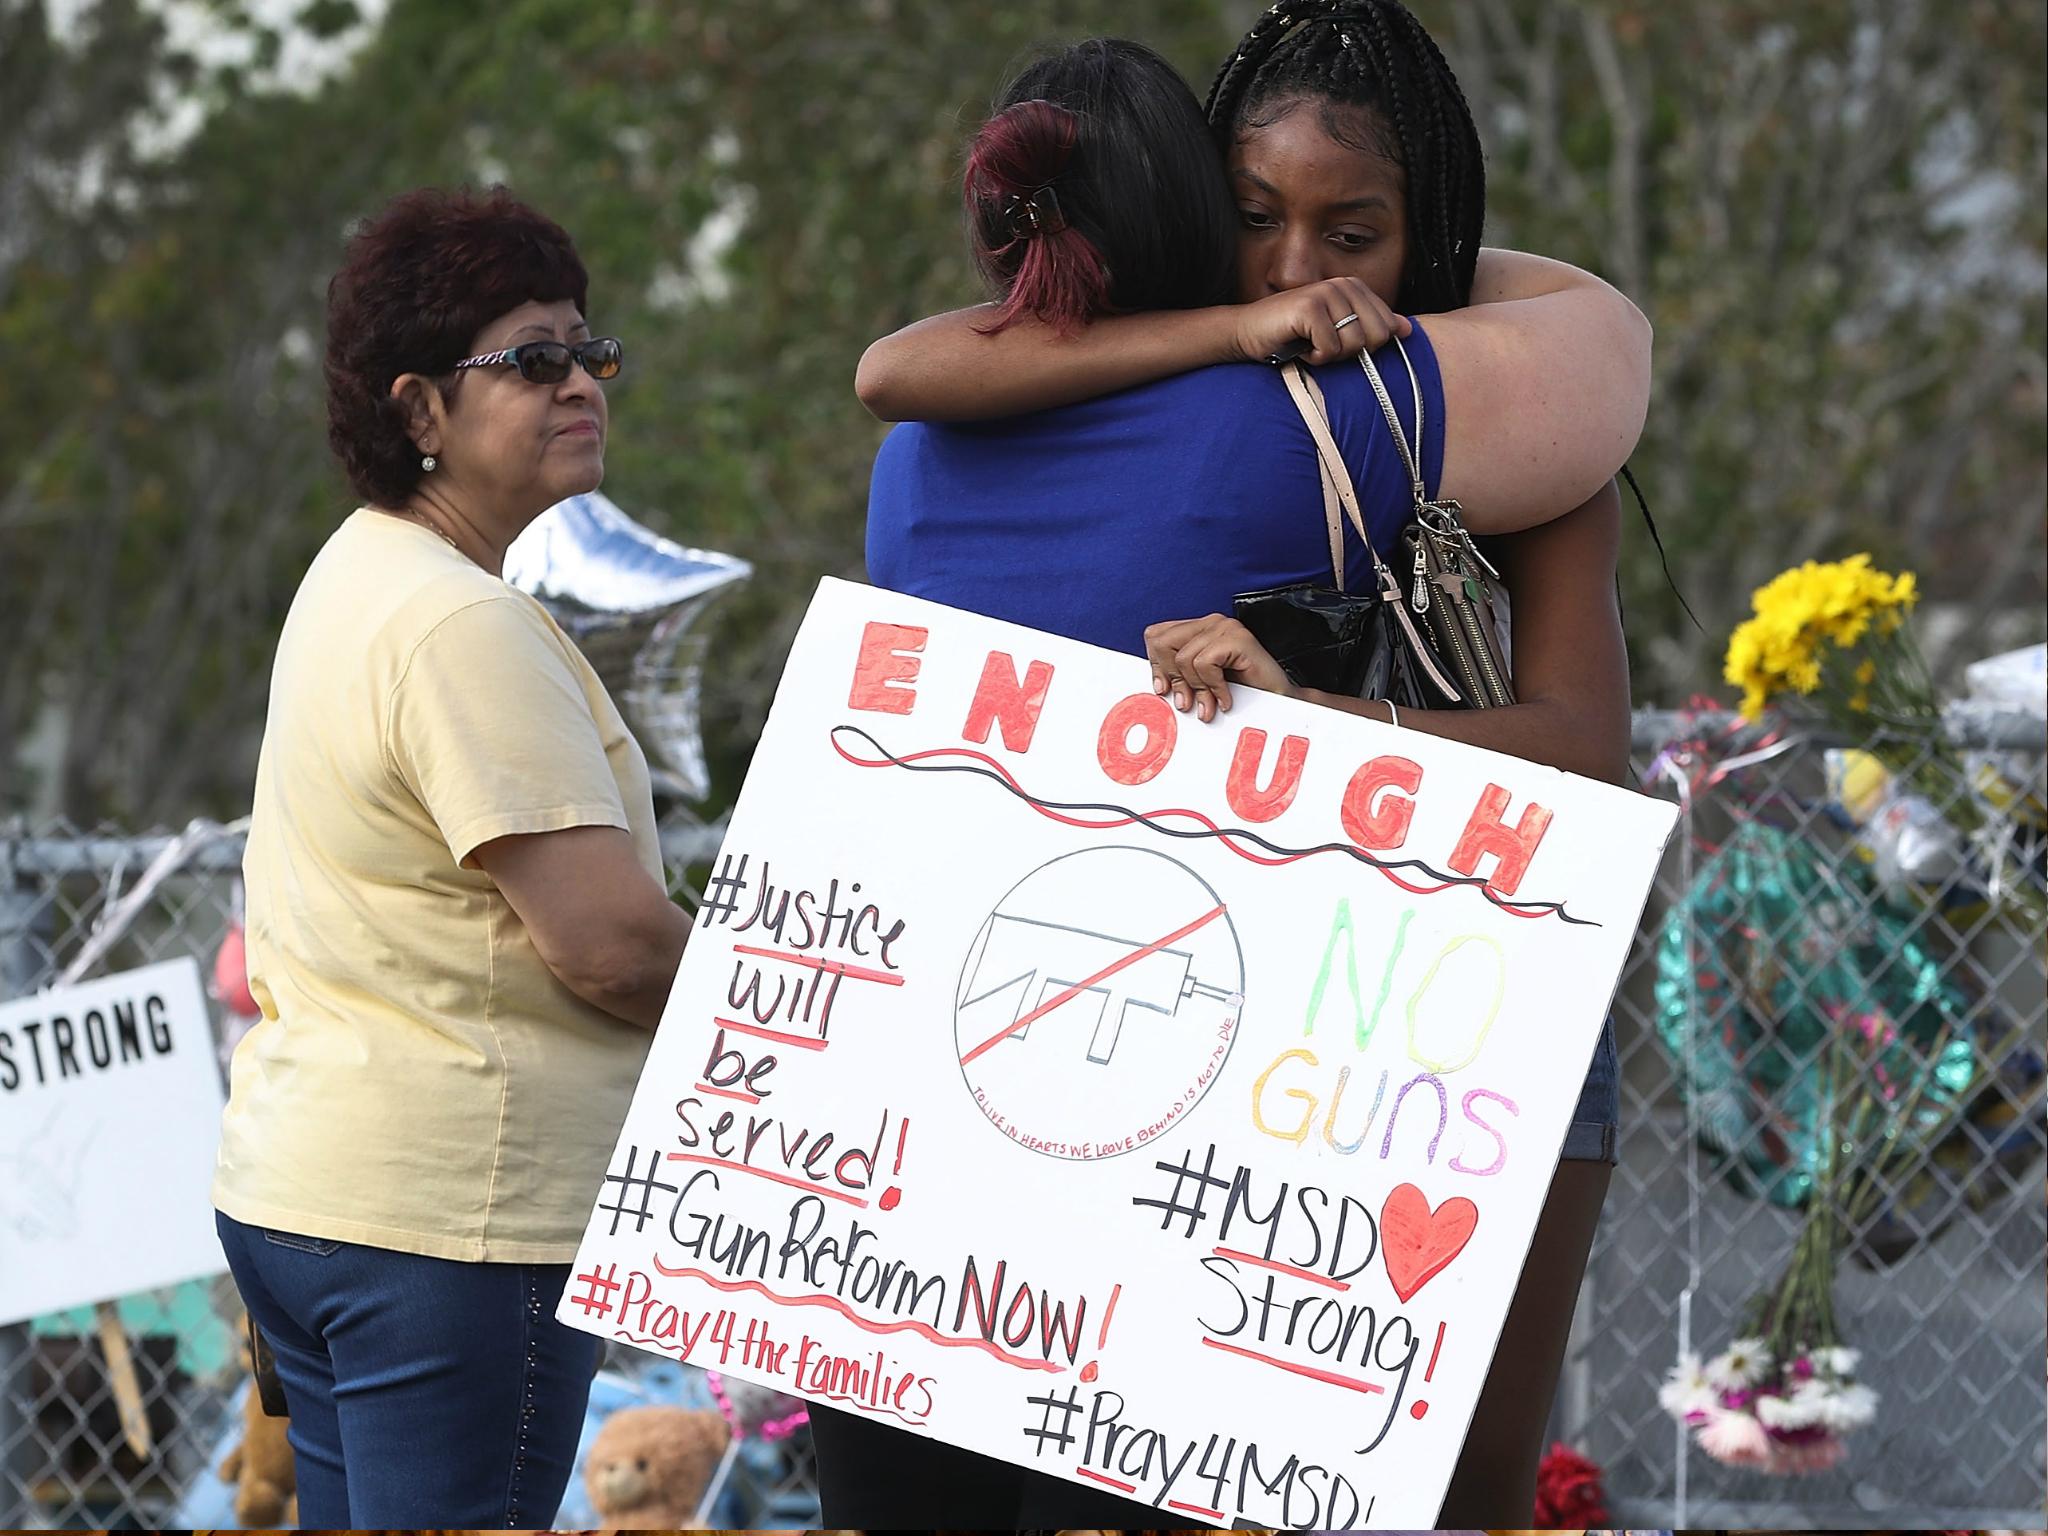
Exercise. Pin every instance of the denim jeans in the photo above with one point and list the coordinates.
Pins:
(423, 1392)
(1596, 1124)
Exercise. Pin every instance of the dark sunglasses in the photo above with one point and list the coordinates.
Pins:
(548, 362)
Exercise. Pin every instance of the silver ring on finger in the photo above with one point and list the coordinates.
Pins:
(1345, 321)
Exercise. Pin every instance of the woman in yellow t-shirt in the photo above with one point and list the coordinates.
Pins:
(458, 931)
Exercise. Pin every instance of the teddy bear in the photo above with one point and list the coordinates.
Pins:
(647, 1468)
(261, 1467)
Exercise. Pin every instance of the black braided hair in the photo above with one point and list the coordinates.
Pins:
(1382, 87)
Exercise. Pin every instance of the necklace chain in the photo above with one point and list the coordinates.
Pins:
(425, 522)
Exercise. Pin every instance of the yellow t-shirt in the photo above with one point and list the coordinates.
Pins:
(419, 1080)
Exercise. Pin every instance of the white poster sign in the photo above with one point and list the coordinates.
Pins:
(110, 1109)
(1161, 1105)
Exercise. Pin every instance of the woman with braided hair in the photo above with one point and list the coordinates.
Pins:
(1325, 105)
(1101, 473)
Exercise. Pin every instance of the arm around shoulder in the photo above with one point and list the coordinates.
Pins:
(946, 368)
(1544, 397)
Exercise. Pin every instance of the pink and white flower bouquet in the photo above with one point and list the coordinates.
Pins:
(1784, 1413)
(1784, 1397)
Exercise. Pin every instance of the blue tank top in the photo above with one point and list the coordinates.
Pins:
(1161, 502)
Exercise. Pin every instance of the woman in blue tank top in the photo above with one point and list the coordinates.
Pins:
(1097, 479)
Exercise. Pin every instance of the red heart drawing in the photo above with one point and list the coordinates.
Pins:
(1419, 1242)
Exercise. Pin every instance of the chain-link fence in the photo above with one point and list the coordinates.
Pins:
(1777, 921)
(73, 904)
(1943, 1291)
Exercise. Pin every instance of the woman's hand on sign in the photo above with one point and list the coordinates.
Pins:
(1194, 662)
(1317, 316)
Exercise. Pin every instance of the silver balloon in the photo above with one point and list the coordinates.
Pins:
(631, 600)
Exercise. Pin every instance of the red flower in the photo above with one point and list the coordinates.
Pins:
(1568, 1491)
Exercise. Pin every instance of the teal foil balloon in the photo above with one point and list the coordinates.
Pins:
(1786, 953)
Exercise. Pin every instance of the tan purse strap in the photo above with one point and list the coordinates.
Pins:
(1338, 491)
(1332, 522)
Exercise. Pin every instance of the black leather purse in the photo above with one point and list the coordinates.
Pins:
(1438, 644)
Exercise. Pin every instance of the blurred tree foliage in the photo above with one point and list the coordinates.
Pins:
(1831, 212)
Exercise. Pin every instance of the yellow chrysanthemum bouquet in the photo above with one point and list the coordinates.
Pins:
(1832, 637)
(1836, 634)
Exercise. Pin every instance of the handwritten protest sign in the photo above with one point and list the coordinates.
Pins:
(110, 1109)
(1161, 1105)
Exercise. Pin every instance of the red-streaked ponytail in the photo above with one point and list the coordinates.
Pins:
(1023, 241)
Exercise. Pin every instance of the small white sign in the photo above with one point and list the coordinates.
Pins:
(1161, 1105)
(110, 1108)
